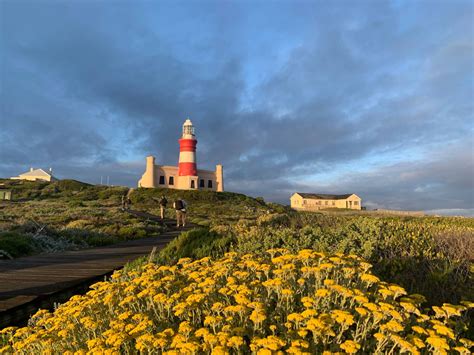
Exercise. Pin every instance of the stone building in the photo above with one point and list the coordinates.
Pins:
(185, 176)
(314, 202)
(36, 175)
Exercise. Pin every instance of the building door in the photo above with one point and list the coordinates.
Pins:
(193, 185)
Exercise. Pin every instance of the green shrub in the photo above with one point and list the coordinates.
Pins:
(132, 232)
(196, 243)
(71, 185)
(425, 255)
(16, 244)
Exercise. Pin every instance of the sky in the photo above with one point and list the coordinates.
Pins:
(368, 97)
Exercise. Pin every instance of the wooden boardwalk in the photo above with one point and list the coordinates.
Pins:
(33, 282)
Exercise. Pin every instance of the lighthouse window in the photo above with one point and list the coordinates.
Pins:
(201, 183)
(162, 180)
(209, 184)
(171, 180)
(193, 185)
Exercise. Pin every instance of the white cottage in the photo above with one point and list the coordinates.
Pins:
(36, 175)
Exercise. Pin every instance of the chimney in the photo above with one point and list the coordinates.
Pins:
(31, 169)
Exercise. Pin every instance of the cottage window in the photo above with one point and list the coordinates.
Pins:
(209, 184)
(162, 180)
(201, 183)
(326, 202)
(334, 203)
(171, 180)
(356, 203)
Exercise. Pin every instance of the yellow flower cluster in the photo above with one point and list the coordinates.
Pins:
(279, 302)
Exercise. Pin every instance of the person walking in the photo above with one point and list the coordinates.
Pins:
(128, 199)
(180, 207)
(163, 203)
(124, 202)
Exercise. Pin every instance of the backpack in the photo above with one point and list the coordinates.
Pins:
(163, 201)
(178, 205)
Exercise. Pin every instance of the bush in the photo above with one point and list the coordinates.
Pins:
(430, 256)
(16, 244)
(195, 243)
(131, 232)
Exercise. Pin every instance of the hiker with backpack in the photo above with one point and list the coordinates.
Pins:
(163, 203)
(180, 207)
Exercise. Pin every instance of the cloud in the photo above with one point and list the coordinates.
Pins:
(279, 94)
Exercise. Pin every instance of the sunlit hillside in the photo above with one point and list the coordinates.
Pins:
(251, 277)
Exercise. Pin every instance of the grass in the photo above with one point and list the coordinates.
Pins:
(69, 214)
(429, 255)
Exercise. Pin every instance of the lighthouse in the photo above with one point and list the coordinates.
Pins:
(187, 151)
(186, 175)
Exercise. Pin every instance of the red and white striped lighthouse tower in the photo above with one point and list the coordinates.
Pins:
(187, 151)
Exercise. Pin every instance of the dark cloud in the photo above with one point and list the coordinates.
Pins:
(279, 94)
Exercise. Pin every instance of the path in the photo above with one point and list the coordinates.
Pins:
(29, 283)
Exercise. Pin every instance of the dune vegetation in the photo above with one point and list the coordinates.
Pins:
(307, 302)
(257, 278)
(68, 214)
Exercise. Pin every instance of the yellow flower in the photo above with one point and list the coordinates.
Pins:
(468, 304)
(219, 350)
(322, 292)
(369, 278)
(302, 333)
(235, 341)
(443, 330)
(393, 326)
(439, 312)
(452, 310)
(459, 349)
(309, 313)
(295, 317)
(343, 317)
(296, 304)
(328, 282)
(185, 327)
(258, 316)
(361, 311)
(410, 307)
(350, 346)
(419, 329)
(397, 290)
(8, 330)
(466, 342)
(379, 336)
(417, 341)
(371, 306)
(385, 292)
(437, 343)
